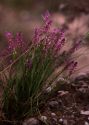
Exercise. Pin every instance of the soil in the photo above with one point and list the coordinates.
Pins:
(73, 103)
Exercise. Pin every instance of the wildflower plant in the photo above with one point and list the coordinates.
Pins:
(31, 67)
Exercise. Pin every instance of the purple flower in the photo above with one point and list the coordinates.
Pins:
(59, 45)
(11, 43)
(46, 16)
(52, 39)
(15, 43)
(39, 33)
(19, 40)
(47, 20)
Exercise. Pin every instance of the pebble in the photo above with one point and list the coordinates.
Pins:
(49, 89)
(81, 76)
(61, 79)
(53, 114)
(53, 104)
(86, 123)
(60, 120)
(82, 90)
(54, 119)
(65, 122)
(84, 112)
(62, 93)
(43, 118)
(31, 121)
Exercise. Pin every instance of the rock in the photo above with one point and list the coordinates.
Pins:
(53, 114)
(60, 120)
(53, 104)
(61, 79)
(62, 93)
(31, 121)
(84, 112)
(86, 123)
(43, 118)
(82, 90)
(65, 122)
(49, 89)
(54, 121)
(81, 76)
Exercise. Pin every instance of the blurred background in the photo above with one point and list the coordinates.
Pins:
(25, 15)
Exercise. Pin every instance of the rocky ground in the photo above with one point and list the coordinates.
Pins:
(68, 106)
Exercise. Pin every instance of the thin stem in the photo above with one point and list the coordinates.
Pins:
(31, 105)
(82, 54)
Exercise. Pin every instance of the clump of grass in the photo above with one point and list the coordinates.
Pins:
(29, 69)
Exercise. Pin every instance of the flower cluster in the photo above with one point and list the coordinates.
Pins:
(52, 39)
(14, 42)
